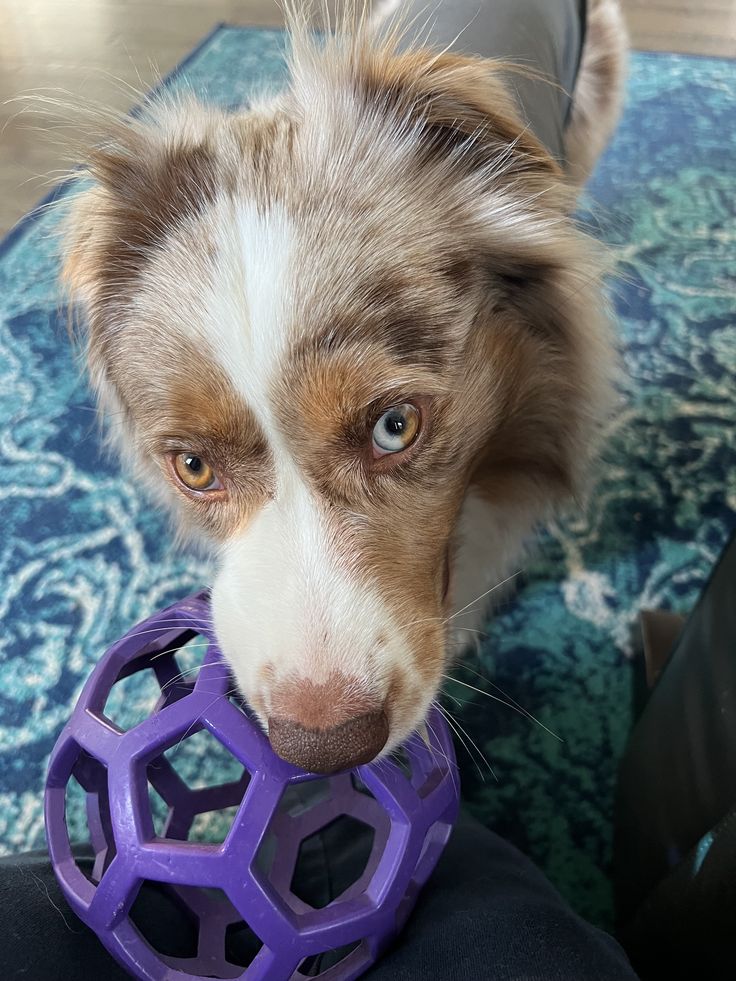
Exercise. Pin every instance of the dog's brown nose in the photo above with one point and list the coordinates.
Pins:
(340, 747)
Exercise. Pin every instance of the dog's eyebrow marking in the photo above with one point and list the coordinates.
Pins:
(412, 339)
(398, 312)
(189, 399)
(407, 328)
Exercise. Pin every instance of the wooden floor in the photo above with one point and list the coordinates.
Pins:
(97, 49)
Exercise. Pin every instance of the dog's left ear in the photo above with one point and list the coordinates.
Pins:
(461, 110)
(449, 104)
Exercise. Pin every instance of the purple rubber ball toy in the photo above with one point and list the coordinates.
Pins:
(208, 856)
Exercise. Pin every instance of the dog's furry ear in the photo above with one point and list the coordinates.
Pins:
(81, 231)
(460, 106)
(147, 174)
(453, 106)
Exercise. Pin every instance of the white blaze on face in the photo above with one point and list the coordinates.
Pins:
(281, 597)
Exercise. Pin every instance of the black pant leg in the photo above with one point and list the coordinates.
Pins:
(487, 913)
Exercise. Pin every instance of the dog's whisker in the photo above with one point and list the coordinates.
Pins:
(509, 704)
(181, 618)
(445, 620)
(168, 629)
(183, 622)
(451, 764)
(194, 671)
(195, 723)
(181, 676)
(450, 717)
(466, 742)
(512, 700)
(455, 699)
(437, 752)
(483, 595)
(461, 739)
(471, 630)
(190, 645)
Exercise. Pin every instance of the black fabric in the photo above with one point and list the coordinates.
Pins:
(675, 842)
(487, 913)
(677, 779)
(685, 927)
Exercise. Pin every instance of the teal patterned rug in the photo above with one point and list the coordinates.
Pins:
(83, 556)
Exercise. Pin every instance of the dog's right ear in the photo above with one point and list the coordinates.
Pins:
(141, 179)
(147, 174)
(82, 244)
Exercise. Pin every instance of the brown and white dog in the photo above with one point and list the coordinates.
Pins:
(353, 339)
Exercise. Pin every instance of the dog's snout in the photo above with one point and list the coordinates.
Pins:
(339, 747)
(326, 726)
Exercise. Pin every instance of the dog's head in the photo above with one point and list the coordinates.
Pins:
(315, 325)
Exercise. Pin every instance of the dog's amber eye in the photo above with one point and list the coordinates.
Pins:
(195, 473)
(396, 429)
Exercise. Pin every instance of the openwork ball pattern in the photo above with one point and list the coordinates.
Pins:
(208, 856)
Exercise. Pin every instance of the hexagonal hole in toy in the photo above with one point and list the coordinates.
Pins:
(87, 817)
(319, 965)
(160, 676)
(195, 788)
(202, 761)
(274, 858)
(134, 696)
(165, 921)
(332, 860)
(300, 798)
(194, 930)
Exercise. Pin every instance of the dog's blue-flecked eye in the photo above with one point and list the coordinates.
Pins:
(397, 429)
